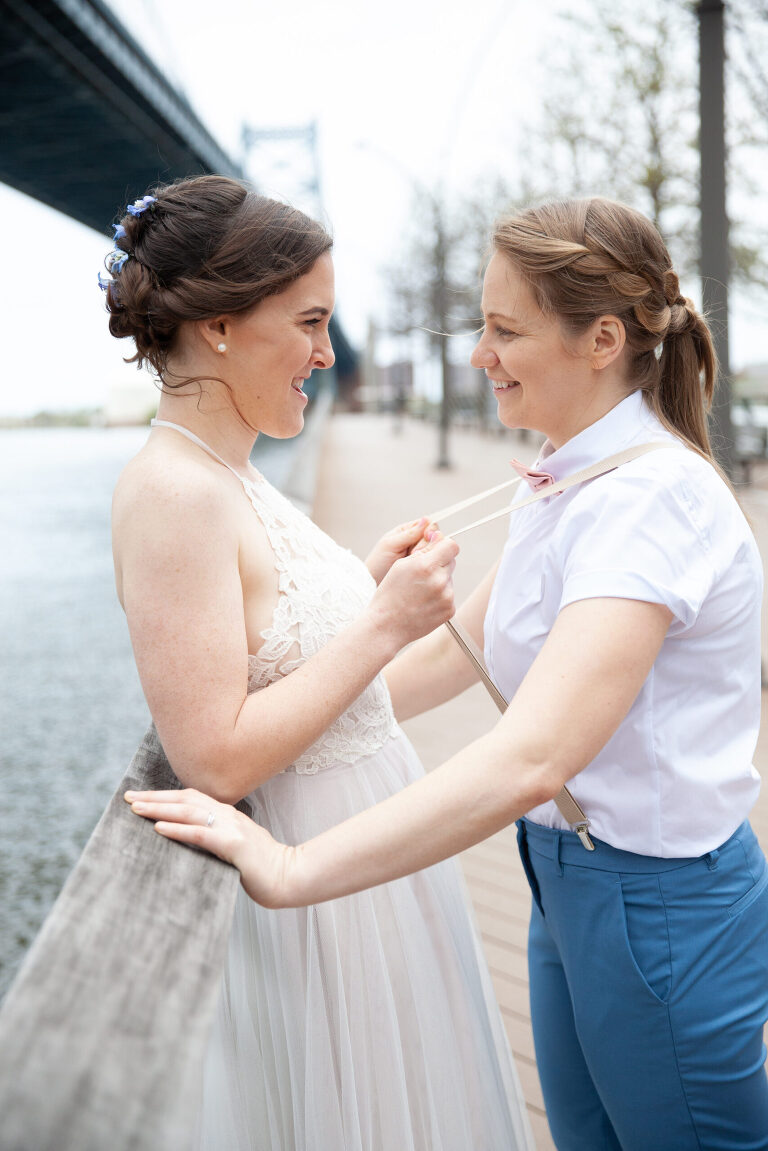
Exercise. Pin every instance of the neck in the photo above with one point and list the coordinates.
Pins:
(214, 420)
(575, 421)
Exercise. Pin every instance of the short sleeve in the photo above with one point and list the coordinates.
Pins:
(639, 535)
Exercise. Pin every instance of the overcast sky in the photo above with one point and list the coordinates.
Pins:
(402, 91)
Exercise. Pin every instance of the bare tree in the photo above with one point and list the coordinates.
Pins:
(430, 288)
(620, 114)
(620, 118)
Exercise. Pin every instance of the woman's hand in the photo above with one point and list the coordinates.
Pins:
(416, 595)
(395, 545)
(189, 816)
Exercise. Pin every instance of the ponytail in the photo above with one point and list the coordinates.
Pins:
(687, 374)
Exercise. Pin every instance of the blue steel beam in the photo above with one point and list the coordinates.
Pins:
(87, 120)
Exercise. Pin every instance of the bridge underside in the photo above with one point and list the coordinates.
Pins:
(87, 120)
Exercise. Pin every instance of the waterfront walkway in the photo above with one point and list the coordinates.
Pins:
(370, 479)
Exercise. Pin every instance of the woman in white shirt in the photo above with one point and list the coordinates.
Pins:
(623, 623)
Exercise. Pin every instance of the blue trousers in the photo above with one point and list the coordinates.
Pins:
(649, 991)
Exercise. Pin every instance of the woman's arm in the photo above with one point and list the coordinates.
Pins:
(574, 697)
(182, 593)
(435, 669)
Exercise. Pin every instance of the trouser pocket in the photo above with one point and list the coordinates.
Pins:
(752, 894)
(647, 932)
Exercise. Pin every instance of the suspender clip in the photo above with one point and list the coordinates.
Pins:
(582, 831)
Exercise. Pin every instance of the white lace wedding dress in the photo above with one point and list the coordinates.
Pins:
(367, 1023)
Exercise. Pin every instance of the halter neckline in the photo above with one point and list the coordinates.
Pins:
(200, 443)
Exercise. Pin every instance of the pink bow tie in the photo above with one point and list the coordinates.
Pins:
(534, 479)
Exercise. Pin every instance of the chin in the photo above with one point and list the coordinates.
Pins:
(509, 420)
(514, 417)
(283, 431)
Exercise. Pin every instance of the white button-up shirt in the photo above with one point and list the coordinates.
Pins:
(676, 779)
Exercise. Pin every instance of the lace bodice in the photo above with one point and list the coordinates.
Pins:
(322, 588)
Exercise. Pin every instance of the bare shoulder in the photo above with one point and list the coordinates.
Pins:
(161, 483)
(173, 505)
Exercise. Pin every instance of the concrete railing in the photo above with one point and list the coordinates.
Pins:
(102, 1034)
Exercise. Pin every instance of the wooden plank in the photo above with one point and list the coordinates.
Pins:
(494, 880)
(520, 1034)
(103, 1032)
(501, 900)
(512, 994)
(504, 928)
(529, 1081)
(540, 1128)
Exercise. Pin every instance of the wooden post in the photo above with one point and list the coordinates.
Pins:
(103, 1032)
(714, 218)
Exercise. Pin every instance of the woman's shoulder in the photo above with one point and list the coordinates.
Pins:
(161, 472)
(673, 492)
(670, 474)
(170, 486)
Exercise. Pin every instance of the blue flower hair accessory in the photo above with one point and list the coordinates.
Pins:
(141, 205)
(115, 259)
(114, 262)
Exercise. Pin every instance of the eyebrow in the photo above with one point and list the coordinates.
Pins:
(500, 316)
(311, 311)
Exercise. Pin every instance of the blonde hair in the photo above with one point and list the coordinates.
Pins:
(588, 258)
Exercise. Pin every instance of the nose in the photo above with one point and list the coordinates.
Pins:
(324, 355)
(482, 356)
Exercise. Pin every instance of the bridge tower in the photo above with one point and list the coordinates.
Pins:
(287, 162)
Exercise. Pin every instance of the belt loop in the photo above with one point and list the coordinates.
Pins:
(558, 860)
(711, 859)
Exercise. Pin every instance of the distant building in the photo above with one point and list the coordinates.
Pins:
(394, 385)
(389, 389)
(751, 383)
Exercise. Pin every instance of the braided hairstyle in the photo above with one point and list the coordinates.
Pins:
(202, 247)
(588, 258)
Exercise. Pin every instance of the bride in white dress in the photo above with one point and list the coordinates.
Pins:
(367, 1023)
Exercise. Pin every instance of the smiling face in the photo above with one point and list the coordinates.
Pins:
(543, 380)
(273, 349)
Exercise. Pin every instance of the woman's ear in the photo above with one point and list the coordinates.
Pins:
(214, 332)
(605, 340)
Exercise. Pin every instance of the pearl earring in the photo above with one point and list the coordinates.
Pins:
(221, 347)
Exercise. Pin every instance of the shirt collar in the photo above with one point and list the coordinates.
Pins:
(630, 422)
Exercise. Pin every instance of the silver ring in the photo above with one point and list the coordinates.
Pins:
(211, 817)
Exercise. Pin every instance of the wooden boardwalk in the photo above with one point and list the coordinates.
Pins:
(371, 479)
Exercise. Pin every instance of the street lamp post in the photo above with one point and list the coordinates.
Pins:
(714, 218)
(441, 311)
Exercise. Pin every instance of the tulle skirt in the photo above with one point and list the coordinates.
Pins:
(364, 1024)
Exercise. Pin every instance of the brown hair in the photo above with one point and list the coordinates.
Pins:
(588, 258)
(207, 246)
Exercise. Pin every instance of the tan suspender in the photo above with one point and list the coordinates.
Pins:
(569, 808)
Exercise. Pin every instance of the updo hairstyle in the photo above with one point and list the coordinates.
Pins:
(207, 246)
(589, 258)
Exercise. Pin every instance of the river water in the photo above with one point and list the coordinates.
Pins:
(71, 707)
